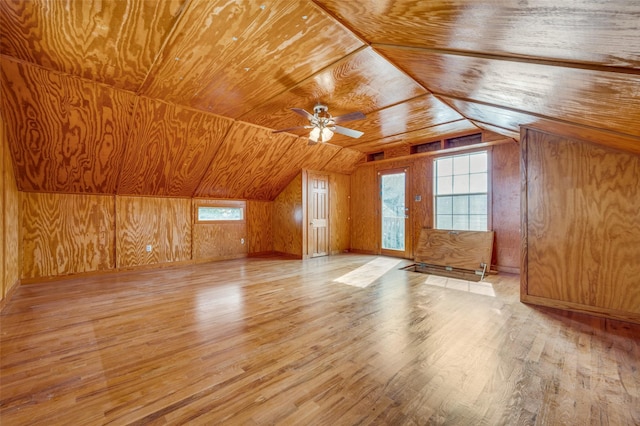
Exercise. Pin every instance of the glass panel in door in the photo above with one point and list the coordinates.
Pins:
(393, 211)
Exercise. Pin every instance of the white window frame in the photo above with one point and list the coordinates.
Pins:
(460, 195)
(225, 204)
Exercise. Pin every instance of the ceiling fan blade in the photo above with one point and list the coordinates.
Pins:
(303, 113)
(348, 132)
(352, 116)
(288, 129)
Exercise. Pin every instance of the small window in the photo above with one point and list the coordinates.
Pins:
(376, 156)
(426, 147)
(222, 211)
(463, 141)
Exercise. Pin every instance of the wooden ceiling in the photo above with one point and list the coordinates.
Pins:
(178, 97)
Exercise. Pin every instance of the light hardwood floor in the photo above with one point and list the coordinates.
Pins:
(275, 341)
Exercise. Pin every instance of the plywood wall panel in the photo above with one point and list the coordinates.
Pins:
(10, 217)
(12, 213)
(583, 210)
(244, 163)
(110, 42)
(169, 149)
(259, 226)
(66, 234)
(288, 219)
(223, 53)
(364, 210)
(505, 205)
(397, 151)
(340, 212)
(345, 161)
(299, 155)
(163, 223)
(470, 250)
(421, 210)
(580, 96)
(65, 134)
(3, 144)
(219, 241)
(578, 32)
(414, 114)
(362, 81)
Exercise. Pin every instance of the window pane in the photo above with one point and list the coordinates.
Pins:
(478, 162)
(461, 165)
(445, 185)
(444, 166)
(393, 211)
(478, 222)
(444, 222)
(444, 205)
(461, 184)
(456, 179)
(478, 182)
(461, 204)
(478, 204)
(220, 213)
(460, 222)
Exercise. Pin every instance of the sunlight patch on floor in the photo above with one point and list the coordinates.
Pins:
(369, 272)
(481, 287)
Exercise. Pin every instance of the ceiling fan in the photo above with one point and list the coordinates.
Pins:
(323, 125)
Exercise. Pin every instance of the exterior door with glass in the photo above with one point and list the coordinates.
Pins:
(394, 213)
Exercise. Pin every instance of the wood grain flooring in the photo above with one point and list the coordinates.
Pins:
(275, 341)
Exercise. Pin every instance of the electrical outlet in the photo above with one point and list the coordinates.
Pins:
(148, 248)
(242, 241)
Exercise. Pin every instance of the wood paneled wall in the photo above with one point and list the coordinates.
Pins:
(66, 134)
(504, 208)
(581, 205)
(169, 149)
(259, 226)
(422, 186)
(340, 212)
(2, 196)
(288, 219)
(9, 222)
(364, 210)
(217, 241)
(66, 234)
(163, 223)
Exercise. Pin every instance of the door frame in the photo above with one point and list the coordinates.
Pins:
(408, 222)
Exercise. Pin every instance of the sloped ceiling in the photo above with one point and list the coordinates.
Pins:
(179, 97)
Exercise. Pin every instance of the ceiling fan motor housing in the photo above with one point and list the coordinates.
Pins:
(320, 109)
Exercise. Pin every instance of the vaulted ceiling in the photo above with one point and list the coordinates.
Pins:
(179, 97)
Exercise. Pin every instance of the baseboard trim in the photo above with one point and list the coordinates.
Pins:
(583, 309)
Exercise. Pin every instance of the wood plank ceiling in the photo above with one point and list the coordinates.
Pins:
(178, 97)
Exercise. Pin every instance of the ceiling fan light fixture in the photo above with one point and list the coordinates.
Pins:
(323, 125)
(326, 134)
(315, 134)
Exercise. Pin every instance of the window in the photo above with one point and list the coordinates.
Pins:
(461, 183)
(220, 211)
